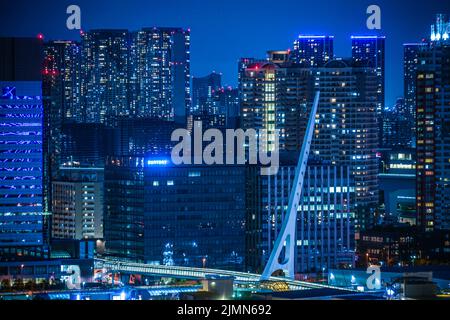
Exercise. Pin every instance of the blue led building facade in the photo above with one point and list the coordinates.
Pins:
(313, 51)
(21, 219)
(369, 51)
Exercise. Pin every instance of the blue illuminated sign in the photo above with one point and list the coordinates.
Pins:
(157, 162)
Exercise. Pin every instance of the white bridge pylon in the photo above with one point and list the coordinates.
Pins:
(287, 237)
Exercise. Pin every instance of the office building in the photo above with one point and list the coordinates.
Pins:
(124, 208)
(86, 144)
(21, 212)
(21, 131)
(398, 126)
(397, 132)
(325, 218)
(195, 215)
(226, 101)
(77, 210)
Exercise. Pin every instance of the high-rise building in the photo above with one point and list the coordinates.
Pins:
(347, 132)
(313, 51)
(77, 210)
(62, 102)
(410, 64)
(21, 131)
(160, 73)
(397, 131)
(223, 110)
(257, 91)
(105, 75)
(274, 97)
(124, 208)
(21, 212)
(369, 51)
(325, 219)
(277, 96)
(398, 125)
(433, 133)
(62, 79)
(203, 90)
(115, 73)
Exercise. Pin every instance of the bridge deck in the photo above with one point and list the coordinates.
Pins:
(198, 273)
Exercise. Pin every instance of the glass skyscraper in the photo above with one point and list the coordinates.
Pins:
(274, 96)
(61, 88)
(198, 213)
(188, 215)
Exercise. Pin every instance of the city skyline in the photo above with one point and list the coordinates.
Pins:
(217, 45)
(132, 170)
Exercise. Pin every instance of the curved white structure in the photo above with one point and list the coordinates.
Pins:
(287, 237)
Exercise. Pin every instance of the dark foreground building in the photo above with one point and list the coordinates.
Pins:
(177, 215)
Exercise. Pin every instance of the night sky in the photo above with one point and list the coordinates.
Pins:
(223, 31)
